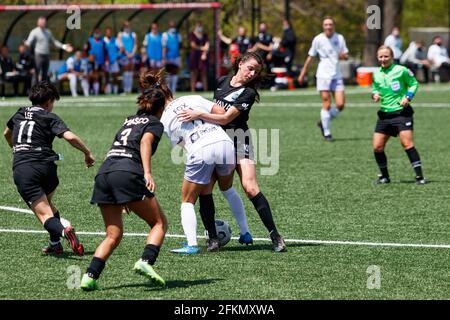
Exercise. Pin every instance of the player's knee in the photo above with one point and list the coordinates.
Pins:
(378, 148)
(340, 106)
(251, 189)
(407, 145)
(114, 239)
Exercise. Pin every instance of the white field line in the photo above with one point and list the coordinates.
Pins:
(323, 242)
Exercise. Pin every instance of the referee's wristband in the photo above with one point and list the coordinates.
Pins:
(409, 96)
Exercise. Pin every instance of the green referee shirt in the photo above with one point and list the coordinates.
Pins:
(393, 84)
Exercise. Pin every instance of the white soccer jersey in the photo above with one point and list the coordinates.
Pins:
(328, 50)
(191, 135)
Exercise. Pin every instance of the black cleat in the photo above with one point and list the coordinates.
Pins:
(329, 138)
(382, 180)
(213, 245)
(56, 249)
(278, 242)
(319, 124)
(421, 181)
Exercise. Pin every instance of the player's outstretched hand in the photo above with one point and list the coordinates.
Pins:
(89, 160)
(188, 115)
(149, 182)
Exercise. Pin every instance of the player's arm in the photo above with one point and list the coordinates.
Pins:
(224, 38)
(221, 119)
(146, 156)
(308, 61)
(77, 143)
(8, 136)
(375, 90)
(412, 85)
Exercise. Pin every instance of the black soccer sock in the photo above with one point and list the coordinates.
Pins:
(95, 268)
(381, 159)
(414, 158)
(54, 227)
(208, 212)
(150, 254)
(55, 238)
(262, 207)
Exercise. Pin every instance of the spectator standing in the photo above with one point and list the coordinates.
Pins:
(263, 44)
(25, 68)
(153, 43)
(171, 41)
(394, 42)
(288, 42)
(198, 58)
(112, 64)
(41, 37)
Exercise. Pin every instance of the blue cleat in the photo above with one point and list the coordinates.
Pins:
(186, 250)
(246, 238)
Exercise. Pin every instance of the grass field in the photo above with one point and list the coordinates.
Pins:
(322, 191)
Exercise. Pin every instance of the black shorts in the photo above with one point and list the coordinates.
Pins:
(243, 146)
(392, 123)
(34, 179)
(119, 187)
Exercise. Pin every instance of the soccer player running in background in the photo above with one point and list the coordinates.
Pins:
(125, 179)
(236, 94)
(394, 87)
(330, 46)
(30, 132)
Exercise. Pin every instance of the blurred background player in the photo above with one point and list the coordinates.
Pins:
(125, 179)
(40, 38)
(415, 59)
(8, 71)
(238, 45)
(394, 86)
(128, 44)
(198, 57)
(394, 42)
(112, 62)
(263, 44)
(439, 59)
(72, 70)
(96, 48)
(30, 133)
(25, 68)
(153, 43)
(171, 41)
(330, 46)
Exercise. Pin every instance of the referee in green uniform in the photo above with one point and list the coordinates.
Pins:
(394, 86)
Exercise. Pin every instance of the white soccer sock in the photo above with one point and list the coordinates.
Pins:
(73, 84)
(85, 86)
(96, 88)
(189, 223)
(334, 112)
(130, 82)
(116, 88)
(237, 207)
(325, 117)
(124, 81)
(174, 82)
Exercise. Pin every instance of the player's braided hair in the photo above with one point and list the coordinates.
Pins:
(260, 77)
(154, 92)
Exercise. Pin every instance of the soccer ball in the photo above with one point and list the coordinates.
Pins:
(223, 232)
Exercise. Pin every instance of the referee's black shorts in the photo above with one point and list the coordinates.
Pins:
(119, 187)
(391, 123)
(34, 179)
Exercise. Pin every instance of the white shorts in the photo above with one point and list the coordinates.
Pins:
(155, 64)
(114, 68)
(218, 156)
(330, 84)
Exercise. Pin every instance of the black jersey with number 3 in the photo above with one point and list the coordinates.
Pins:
(125, 152)
(241, 98)
(33, 131)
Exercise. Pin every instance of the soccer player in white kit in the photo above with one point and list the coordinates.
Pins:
(209, 149)
(330, 46)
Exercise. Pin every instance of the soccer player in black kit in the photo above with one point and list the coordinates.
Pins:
(125, 179)
(236, 94)
(30, 132)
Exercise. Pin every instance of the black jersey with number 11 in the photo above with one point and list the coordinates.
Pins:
(33, 131)
(125, 152)
(241, 98)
